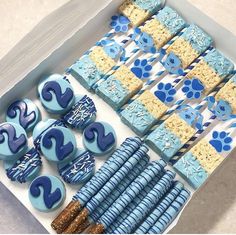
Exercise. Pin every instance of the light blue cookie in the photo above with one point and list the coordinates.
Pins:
(25, 168)
(79, 170)
(58, 144)
(99, 138)
(82, 113)
(47, 193)
(23, 112)
(56, 94)
(13, 141)
(42, 127)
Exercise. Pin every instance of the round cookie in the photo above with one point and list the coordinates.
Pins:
(23, 112)
(58, 144)
(42, 127)
(56, 94)
(99, 138)
(13, 141)
(26, 168)
(82, 113)
(46, 193)
(79, 170)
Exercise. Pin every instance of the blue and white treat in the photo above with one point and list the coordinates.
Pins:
(25, 168)
(82, 113)
(47, 193)
(99, 138)
(58, 144)
(23, 112)
(42, 127)
(79, 170)
(13, 141)
(56, 94)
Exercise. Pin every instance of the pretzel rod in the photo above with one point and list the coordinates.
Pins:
(118, 158)
(101, 195)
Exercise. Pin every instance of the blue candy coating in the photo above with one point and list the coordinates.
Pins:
(42, 127)
(82, 113)
(197, 38)
(46, 193)
(79, 170)
(86, 72)
(171, 20)
(26, 168)
(219, 63)
(99, 138)
(56, 94)
(23, 112)
(13, 141)
(58, 144)
(150, 5)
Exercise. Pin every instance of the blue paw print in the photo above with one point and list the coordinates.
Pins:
(165, 92)
(193, 88)
(221, 141)
(141, 68)
(120, 23)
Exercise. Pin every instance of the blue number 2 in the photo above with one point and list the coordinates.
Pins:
(62, 151)
(49, 198)
(14, 143)
(24, 119)
(63, 99)
(104, 141)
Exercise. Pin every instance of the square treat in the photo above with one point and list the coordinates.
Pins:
(211, 70)
(228, 93)
(198, 163)
(167, 139)
(137, 11)
(193, 42)
(142, 113)
(91, 68)
(119, 87)
(164, 26)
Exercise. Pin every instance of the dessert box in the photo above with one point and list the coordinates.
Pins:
(53, 46)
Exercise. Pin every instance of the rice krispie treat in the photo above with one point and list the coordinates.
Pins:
(211, 70)
(143, 112)
(196, 165)
(166, 24)
(92, 67)
(170, 136)
(119, 87)
(137, 11)
(191, 44)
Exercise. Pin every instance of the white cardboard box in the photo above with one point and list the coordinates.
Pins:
(56, 43)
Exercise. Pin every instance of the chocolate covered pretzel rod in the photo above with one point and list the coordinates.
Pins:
(129, 194)
(118, 158)
(114, 181)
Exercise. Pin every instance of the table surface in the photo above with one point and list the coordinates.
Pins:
(213, 209)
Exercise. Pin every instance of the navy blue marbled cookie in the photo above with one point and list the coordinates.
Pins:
(79, 169)
(25, 168)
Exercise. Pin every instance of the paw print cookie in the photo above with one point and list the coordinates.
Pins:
(221, 141)
(193, 88)
(141, 69)
(165, 92)
(120, 23)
